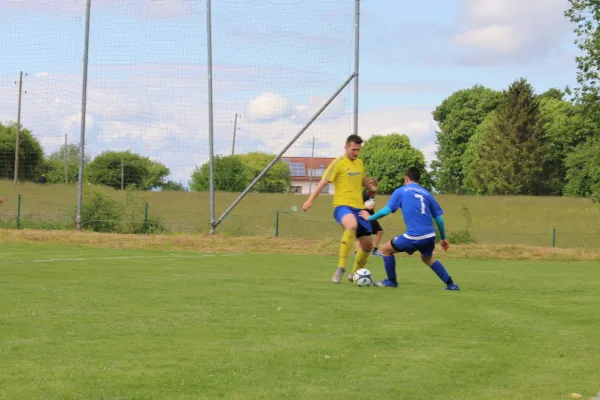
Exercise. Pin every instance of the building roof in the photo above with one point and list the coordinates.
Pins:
(299, 167)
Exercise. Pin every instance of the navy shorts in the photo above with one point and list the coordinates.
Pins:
(364, 227)
(404, 245)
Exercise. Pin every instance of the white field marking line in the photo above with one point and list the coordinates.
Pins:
(49, 260)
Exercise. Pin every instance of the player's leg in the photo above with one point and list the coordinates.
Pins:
(362, 255)
(399, 244)
(348, 221)
(378, 232)
(437, 267)
(389, 263)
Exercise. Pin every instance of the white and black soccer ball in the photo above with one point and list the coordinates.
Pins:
(363, 277)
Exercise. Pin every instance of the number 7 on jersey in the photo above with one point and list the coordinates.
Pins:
(420, 197)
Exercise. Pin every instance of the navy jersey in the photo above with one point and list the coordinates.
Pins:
(367, 197)
(419, 208)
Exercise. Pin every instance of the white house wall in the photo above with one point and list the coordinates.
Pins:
(306, 186)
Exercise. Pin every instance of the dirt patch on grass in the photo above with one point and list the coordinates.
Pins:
(254, 244)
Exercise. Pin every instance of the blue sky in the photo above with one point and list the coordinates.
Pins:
(276, 61)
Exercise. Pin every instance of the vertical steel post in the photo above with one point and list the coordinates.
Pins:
(146, 218)
(83, 112)
(19, 212)
(211, 173)
(356, 62)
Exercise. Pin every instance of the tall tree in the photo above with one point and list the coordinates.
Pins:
(470, 184)
(458, 117)
(137, 170)
(508, 159)
(235, 173)
(277, 180)
(565, 127)
(54, 165)
(583, 170)
(229, 175)
(31, 154)
(386, 158)
(173, 187)
(585, 16)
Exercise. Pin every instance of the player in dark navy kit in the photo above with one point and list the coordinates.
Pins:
(377, 230)
(419, 208)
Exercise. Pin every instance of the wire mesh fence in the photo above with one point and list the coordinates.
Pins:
(135, 213)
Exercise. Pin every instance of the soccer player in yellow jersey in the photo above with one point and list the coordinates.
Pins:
(347, 173)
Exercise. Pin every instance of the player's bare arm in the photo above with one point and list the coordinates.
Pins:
(439, 220)
(315, 193)
(379, 214)
(370, 184)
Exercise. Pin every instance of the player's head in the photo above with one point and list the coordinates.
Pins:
(412, 174)
(371, 193)
(353, 146)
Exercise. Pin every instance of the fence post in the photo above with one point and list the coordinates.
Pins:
(146, 218)
(19, 212)
(553, 237)
(277, 224)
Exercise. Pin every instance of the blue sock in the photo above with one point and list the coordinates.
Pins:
(390, 267)
(441, 272)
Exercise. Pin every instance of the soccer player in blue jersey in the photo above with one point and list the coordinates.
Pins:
(419, 208)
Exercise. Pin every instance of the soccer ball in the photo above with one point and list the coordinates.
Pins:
(370, 204)
(363, 277)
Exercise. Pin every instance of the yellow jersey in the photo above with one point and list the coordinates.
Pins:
(347, 177)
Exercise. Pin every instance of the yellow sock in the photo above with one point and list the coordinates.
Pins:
(361, 260)
(346, 246)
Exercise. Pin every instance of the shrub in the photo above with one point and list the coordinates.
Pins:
(99, 213)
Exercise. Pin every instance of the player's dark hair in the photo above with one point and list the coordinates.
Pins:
(413, 174)
(354, 139)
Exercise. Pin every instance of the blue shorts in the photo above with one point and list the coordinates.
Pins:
(364, 227)
(404, 245)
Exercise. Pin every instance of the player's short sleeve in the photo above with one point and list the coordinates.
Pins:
(332, 170)
(434, 207)
(395, 202)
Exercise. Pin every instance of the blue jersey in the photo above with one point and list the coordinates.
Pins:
(419, 208)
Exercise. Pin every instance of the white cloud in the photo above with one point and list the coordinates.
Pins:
(172, 125)
(494, 37)
(334, 110)
(69, 8)
(269, 106)
(429, 152)
(72, 123)
(511, 30)
(414, 121)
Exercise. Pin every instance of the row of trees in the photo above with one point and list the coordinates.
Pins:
(385, 157)
(111, 168)
(509, 142)
(515, 142)
(130, 170)
(520, 142)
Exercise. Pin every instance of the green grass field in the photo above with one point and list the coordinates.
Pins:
(85, 323)
(494, 220)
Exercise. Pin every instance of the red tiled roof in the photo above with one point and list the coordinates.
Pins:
(309, 162)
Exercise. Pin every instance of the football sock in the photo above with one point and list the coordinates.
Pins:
(361, 260)
(389, 262)
(441, 272)
(346, 246)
